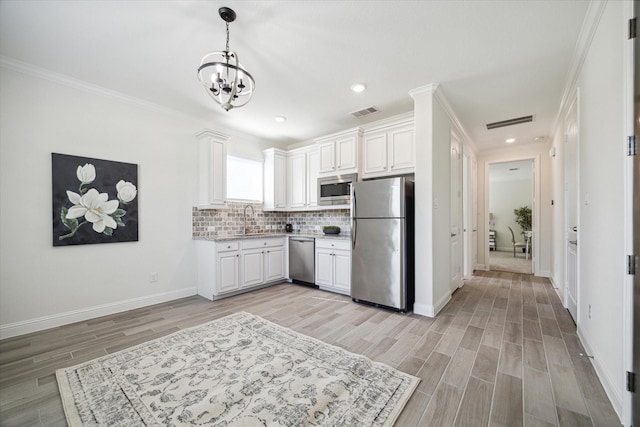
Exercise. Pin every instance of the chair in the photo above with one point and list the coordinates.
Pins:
(514, 243)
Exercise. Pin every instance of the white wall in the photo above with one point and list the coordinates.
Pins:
(42, 286)
(504, 197)
(557, 213)
(601, 182)
(434, 122)
(423, 193)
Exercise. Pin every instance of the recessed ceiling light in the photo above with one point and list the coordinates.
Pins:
(510, 140)
(280, 119)
(358, 87)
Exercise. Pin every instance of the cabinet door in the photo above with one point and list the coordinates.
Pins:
(274, 263)
(327, 157)
(296, 180)
(342, 267)
(227, 272)
(324, 267)
(346, 150)
(212, 172)
(401, 149)
(252, 267)
(280, 184)
(313, 171)
(374, 153)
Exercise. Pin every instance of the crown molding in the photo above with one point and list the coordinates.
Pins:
(430, 88)
(442, 100)
(53, 77)
(585, 37)
(208, 133)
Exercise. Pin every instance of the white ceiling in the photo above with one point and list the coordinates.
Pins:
(511, 171)
(494, 60)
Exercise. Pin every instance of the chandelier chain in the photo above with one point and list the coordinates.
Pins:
(227, 37)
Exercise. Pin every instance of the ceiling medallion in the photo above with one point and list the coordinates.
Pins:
(222, 75)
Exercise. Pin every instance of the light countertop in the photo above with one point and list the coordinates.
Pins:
(341, 236)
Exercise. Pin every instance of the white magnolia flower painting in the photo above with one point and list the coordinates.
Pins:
(94, 200)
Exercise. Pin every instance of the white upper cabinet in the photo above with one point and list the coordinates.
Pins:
(302, 178)
(297, 180)
(212, 169)
(339, 152)
(313, 171)
(389, 150)
(275, 179)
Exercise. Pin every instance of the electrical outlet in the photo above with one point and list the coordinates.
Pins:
(153, 277)
(211, 228)
(589, 311)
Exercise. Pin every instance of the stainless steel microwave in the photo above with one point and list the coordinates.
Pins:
(335, 190)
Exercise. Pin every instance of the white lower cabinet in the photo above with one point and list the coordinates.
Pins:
(229, 267)
(228, 271)
(252, 267)
(333, 265)
(275, 264)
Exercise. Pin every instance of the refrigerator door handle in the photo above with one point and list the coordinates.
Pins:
(354, 231)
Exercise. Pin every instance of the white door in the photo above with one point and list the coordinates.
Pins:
(401, 149)
(467, 268)
(571, 210)
(374, 153)
(252, 267)
(342, 267)
(296, 180)
(346, 150)
(274, 264)
(324, 267)
(227, 272)
(313, 171)
(456, 208)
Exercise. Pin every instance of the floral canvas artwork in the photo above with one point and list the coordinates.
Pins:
(94, 200)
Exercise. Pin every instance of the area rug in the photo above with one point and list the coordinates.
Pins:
(240, 370)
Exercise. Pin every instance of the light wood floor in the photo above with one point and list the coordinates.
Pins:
(502, 353)
(505, 261)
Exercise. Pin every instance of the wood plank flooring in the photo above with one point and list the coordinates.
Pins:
(503, 352)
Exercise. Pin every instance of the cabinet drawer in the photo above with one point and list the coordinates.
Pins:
(262, 243)
(333, 244)
(231, 245)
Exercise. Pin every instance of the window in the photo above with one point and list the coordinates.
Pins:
(244, 179)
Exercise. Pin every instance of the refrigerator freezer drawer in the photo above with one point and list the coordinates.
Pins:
(378, 263)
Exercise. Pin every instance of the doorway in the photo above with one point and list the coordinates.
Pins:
(511, 202)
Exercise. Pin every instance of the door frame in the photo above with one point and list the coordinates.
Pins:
(632, 237)
(459, 278)
(575, 103)
(535, 255)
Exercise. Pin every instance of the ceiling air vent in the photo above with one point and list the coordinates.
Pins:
(365, 112)
(510, 122)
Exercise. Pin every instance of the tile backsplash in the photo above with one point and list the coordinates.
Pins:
(208, 223)
(312, 222)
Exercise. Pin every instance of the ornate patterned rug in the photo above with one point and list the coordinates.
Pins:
(240, 370)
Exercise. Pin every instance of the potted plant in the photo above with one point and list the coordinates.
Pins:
(523, 217)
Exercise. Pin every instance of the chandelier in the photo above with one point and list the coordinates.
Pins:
(222, 75)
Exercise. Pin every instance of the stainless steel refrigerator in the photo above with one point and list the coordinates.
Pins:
(382, 257)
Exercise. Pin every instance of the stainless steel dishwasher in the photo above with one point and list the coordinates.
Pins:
(302, 260)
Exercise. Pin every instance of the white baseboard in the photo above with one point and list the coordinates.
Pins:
(481, 267)
(55, 320)
(544, 273)
(557, 289)
(612, 393)
(431, 310)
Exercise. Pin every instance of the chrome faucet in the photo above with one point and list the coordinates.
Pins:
(244, 228)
